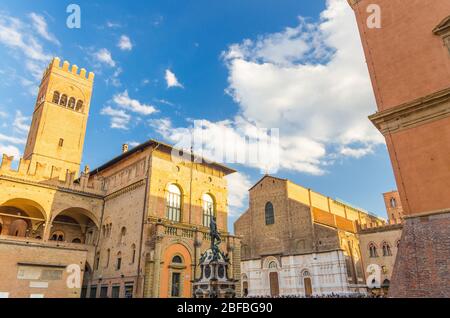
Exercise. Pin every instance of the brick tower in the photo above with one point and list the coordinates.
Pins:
(58, 127)
(408, 56)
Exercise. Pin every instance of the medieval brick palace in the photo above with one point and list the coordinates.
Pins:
(136, 226)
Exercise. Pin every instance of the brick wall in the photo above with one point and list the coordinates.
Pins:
(422, 265)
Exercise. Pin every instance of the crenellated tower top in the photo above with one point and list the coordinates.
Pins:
(59, 122)
(55, 64)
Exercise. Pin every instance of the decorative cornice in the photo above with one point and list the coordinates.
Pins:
(428, 213)
(418, 112)
(127, 189)
(50, 186)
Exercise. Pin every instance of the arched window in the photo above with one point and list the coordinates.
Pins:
(393, 203)
(97, 261)
(63, 100)
(133, 253)
(76, 240)
(79, 106)
(273, 264)
(57, 236)
(173, 203)
(373, 250)
(208, 209)
(386, 249)
(119, 261)
(123, 232)
(108, 255)
(71, 103)
(56, 97)
(269, 214)
(177, 260)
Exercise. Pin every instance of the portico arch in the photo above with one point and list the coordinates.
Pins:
(78, 225)
(176, 276)
(272, 266)
(22, 218)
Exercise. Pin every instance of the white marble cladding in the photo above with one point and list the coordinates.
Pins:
(327, 272)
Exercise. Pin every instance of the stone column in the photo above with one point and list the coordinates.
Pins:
(47, 230)
(157, 260)
(197, 246)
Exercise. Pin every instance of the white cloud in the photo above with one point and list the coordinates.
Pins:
(238, 186)
(15, 35)
(310, 81)
(119, 118)
(125, 43)
(357, 152)
(133, 144)
(12, 140)
(165, 102)
(104, 56)
(113, 25)
(240, 141)
(10, 151)
(164, 127)
(172, 80)
(114, 79)
(123, 100)
(40, 26)
(21, 123)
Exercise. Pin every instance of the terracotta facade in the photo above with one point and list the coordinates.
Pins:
(409, 64)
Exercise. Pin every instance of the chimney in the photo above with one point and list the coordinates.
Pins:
(124, 148)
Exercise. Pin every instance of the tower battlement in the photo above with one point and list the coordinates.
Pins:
(71, 69)
(45, 174)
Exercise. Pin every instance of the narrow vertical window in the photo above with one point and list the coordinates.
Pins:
(173, 203)
(373, 250)
(79, 106)
(119, 261)
(176, 284)
(55, 97)
(108, 255)
(208, 209)
(386, 249)
(133, 253)
(63, 100)
(393, 203)
(269, 214)
(71, 103)
(61, 142)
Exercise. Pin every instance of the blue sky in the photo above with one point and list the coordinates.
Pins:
(296, 66)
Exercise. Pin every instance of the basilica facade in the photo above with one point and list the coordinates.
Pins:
(135, 226)
(296, 241)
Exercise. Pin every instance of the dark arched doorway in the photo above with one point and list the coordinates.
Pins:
(274, 284)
